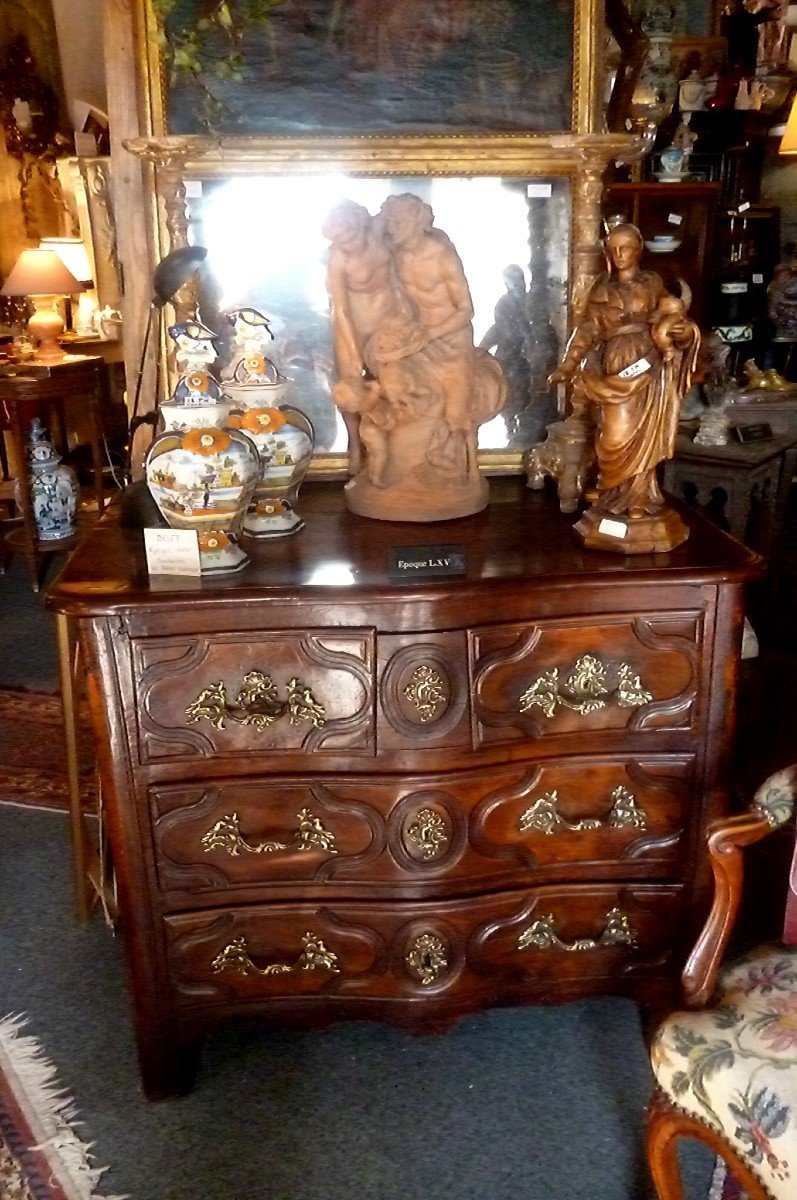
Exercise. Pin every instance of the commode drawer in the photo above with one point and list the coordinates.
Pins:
(553, 678)
(522, 943)
(274, 695)
(600, 817)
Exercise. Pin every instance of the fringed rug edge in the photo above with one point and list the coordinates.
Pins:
(48, 1110)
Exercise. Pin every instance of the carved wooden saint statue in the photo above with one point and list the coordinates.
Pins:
(411, 386)
(632, 356)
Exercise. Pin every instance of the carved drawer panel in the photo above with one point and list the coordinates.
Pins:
(608, 817)
(424, 691)
(632, 813)
(514, 944)
(273, 694)
(569, 677)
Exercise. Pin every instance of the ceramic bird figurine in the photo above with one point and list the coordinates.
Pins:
(194, 343)
(249, 325)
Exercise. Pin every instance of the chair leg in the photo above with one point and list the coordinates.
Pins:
(664, 1131)
(666, 1125)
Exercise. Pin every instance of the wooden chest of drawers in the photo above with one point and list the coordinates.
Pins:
(333, 794)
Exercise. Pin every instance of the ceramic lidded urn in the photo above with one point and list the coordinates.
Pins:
(256, 391)
(202, 474)
(54, 488)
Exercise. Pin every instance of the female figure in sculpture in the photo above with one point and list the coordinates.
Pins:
(632, 356)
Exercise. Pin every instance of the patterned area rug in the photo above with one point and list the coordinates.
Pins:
(32, 753)
(41, 1158)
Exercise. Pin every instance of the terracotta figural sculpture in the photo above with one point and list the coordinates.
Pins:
(632, 356)
(411, 386)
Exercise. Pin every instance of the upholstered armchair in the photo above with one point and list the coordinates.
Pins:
(727, 1074)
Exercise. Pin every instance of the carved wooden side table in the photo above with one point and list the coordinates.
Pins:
(332, 793)
(53, 392)
(743, 486)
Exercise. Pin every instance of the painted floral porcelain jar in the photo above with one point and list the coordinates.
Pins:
(201, 473)
(257, 391)
(54, 488)
(203, 479)
(284, 440)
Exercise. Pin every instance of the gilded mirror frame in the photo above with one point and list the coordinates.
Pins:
(581, 155)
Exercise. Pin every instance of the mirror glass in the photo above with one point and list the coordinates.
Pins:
(266, 251)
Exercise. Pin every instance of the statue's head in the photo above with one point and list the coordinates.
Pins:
(405, 216)
(346, 219)
(514, 278)
(624, 246)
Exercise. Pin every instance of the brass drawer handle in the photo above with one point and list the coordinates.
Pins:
(426, 691)
(544, 816)
(314, 957)
(586, 690)
(257, 704)
(226, 835)
(541, 935)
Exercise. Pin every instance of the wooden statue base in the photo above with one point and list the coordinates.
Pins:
(416, 500)
(631, 535)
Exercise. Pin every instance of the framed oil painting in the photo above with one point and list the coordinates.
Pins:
(330, 67)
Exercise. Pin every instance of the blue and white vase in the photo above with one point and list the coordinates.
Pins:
(54, 488)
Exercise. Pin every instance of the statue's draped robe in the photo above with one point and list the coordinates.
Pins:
(638, 404)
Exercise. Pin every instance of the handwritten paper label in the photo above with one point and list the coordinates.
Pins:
(758, 277)
(613, 528)
(637, 368)
(538, 191)
(675, 218)
(744, 207)
(172, 551)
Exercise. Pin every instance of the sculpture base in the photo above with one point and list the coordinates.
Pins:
(631, 535)
(415, 501)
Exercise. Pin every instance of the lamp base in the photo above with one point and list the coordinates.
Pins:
(45, 327)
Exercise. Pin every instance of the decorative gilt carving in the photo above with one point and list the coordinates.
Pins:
(426, 692)
(257, 704)
(310, 835)
(428, 833)
(544, 816)
(314, 957)
(586, 690)
(426, 958)
(542, 935)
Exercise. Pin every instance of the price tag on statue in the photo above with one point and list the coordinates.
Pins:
(636, 368)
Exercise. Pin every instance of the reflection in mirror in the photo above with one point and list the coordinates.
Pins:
(266, 251)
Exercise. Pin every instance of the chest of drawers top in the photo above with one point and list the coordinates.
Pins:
(519, 552)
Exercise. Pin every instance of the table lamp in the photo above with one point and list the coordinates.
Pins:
(74, 255)
(40, 275)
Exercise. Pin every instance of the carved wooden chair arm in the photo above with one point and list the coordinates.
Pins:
(772, 807)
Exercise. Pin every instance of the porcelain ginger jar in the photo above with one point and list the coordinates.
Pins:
(204, 479)
(200, 472)
(256, 391)
(54, 488)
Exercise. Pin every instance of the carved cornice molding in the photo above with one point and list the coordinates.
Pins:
(462, 154)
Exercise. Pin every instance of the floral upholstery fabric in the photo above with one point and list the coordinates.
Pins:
(734, 1066)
